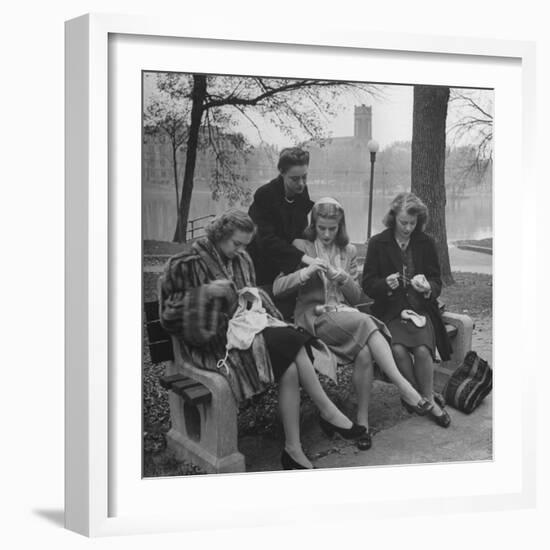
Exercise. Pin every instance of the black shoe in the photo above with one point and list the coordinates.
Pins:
(347, 433)
(443, 420)
(439, 400)
(364, 442)
(422, 408)
(288, 463)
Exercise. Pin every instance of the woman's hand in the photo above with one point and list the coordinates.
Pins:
(308, 260)
(421, 284)
(314, 268)
(393, 280)
(338, 275)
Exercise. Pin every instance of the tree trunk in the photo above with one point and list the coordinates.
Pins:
(198, 97)
(428, 164)
(175, 167)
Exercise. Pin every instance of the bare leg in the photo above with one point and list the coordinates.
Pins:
(383, 356)
(310, 382)
(289, 409)
(424, 373)
(362, 378)
(404, 363)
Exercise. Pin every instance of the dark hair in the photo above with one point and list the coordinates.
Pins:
(333, 212)
(224, 225)
(292, 156)
(410, 204)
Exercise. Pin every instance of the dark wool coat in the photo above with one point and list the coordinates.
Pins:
(279, 223)
(188, 311)
(384, 258)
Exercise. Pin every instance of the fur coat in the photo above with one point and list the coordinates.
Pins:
(199, 321)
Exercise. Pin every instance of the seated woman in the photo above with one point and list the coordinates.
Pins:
(193, 286)
(402, 274)
(326, 292)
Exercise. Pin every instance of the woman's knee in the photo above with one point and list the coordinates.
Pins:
(400, 352)
(302, 357)
(290, 376)
(422, 353)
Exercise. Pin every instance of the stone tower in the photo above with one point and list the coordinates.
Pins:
(363, 122)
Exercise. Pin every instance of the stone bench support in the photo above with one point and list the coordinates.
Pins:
(205, 434)
(462, 343)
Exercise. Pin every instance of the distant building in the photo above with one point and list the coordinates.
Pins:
(343, 162)
(157, 163)
(363, 122)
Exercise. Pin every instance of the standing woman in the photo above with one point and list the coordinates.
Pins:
(326, 294)
(403, 276)
(195, 283)
(280, 210)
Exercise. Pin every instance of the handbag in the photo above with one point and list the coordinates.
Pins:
(469, 384)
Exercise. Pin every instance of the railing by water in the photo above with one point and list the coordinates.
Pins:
(192, 222)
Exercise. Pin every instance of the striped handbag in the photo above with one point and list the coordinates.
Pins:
(469, 384)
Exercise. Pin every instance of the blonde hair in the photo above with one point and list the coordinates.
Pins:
(224, 225)
(330, 210)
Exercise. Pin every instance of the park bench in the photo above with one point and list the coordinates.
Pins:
(203, 411)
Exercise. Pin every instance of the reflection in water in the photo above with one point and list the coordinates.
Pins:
(467, 217)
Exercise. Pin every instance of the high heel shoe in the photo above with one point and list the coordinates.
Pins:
(288, 463)
(364, 442)
(443, 420)
(422, 408)
(347, 433)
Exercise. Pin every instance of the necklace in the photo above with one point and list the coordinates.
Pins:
(402, 244)
(289, 201)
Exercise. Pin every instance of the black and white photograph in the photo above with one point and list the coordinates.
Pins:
(317, 273)
(273, 253)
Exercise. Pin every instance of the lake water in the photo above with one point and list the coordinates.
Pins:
(467, 217)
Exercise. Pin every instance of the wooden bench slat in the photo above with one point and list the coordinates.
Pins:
(197, 394)
(167, 380)
(161, 351)
(180, 387)
(151, 311)
(156, 332)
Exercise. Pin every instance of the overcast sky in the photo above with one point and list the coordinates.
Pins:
(392, 117)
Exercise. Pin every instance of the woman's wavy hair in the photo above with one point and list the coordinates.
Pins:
(224, 225)
(329, 211)
(410, 204)
(292, 156)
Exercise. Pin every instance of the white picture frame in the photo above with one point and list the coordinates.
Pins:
(102, 430)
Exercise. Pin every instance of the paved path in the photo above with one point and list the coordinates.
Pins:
(415, 440)
(466, 260)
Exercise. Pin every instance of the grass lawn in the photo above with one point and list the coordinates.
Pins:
(471, 294)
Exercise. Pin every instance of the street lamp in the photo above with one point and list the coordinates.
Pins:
(373, 147)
